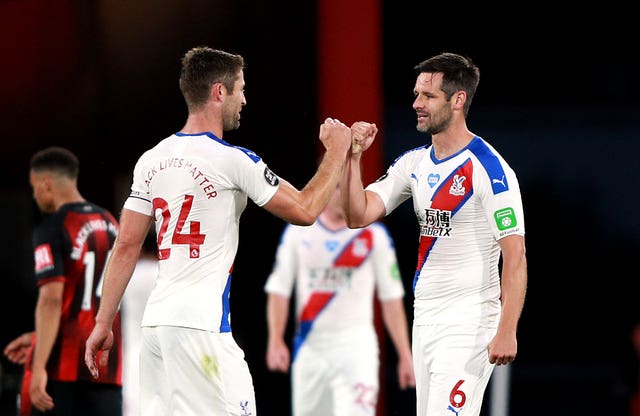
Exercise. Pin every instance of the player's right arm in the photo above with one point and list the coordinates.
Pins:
(126, 250)
(279, 287)
(302, 207)
(395, 320)
(17, 350)
(361, 207)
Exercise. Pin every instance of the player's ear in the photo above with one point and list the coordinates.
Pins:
(47, 182)
(460, 97)
(217, 91)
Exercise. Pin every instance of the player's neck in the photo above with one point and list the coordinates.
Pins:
(203, 121)
(68, 196)
(334, 220)
(451, 141)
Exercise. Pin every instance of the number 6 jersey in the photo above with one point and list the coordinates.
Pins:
(196, 187)
(464, 204)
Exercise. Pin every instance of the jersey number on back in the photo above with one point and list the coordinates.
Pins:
(193, 239)
(89, 261)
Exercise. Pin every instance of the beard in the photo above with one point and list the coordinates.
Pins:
(437, 123)
(232, 122)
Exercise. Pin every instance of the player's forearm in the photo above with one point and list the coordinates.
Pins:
(47, 317)
(353, 194)
(277, 316)
(316, 194)
(395, 321)
(514, 287)
(116, 278)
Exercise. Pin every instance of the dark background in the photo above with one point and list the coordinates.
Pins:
(557, 97)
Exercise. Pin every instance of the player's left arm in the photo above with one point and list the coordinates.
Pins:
(504, 346)
(48, 313)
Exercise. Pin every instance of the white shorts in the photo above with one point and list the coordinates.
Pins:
(190, 372)
(337, 377)
(452, 368)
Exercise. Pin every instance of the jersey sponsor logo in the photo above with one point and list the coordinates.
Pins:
(436, 224)
(270, 177)
(340, 274)
(505, 218)
(43, 258)
(330, 279)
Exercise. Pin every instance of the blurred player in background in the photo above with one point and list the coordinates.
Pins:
(132, 309)
(72, 245)
(336, 272)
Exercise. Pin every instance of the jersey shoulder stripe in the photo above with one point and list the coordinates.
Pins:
(403, 154)
(491, 164)
(250, 153)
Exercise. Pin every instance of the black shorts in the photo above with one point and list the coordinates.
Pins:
(81, 398)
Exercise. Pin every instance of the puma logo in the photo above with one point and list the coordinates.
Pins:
(453, 410)
(500, 181)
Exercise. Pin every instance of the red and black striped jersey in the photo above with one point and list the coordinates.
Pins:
(72, 245)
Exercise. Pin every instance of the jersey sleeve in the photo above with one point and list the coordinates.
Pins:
(48, 250)
(283, 274)
(139, 199)
(252, 175)
(502, 202)
(385, 264)
(394, 186)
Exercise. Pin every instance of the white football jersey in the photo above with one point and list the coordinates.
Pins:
(196, 187)
(335, 274)
(464, 204)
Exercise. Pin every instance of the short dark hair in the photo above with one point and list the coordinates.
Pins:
(202, 67)
(56, 159)
(459, 73)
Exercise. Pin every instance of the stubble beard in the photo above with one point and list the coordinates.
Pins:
(435, 127)
(232, 123)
